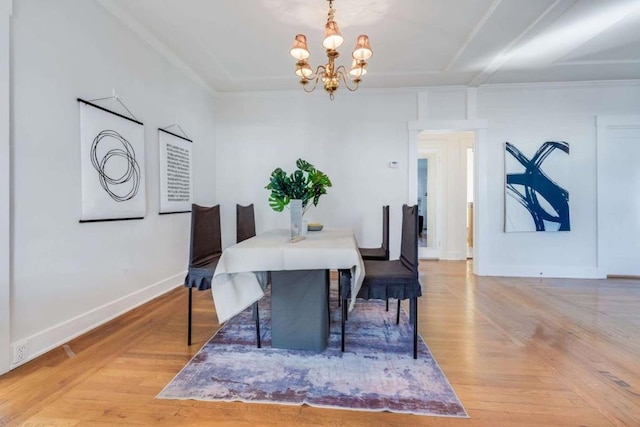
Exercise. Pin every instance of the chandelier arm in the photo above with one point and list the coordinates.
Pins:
(315, 84)
(315, 78)
(318, 72)
(346, 73)
(342, 72)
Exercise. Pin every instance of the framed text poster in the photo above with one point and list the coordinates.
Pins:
(176, 178)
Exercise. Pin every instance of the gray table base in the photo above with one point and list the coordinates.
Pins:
(299, 309)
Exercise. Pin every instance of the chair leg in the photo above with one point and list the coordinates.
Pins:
(189, 318)
(414, 311)
(387, 304)
(339, 290)
(257, 316)
(398, 313)
(328, 288)
(344, 318)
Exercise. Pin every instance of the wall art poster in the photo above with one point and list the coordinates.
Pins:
(536, 196)
(176, 178)
(112, 165)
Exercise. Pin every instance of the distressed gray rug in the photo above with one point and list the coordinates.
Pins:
(376, 373)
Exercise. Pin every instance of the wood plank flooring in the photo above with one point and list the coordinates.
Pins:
(518, 352)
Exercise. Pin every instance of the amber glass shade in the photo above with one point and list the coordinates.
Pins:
(362, 51)
(299, 49)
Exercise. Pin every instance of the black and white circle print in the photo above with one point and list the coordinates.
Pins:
(114, 159)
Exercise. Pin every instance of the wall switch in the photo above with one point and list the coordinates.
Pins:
(393, 165)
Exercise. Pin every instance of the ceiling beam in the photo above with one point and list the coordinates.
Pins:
(503, 57)
(473, 33)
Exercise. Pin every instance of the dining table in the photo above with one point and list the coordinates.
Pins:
(299, 271)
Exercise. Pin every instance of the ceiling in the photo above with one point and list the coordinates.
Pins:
(243, 45)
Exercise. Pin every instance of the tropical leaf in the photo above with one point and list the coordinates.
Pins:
(306, 183)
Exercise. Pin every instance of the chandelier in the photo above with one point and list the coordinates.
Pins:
(329, 73)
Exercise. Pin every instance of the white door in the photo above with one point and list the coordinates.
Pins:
(619, 200)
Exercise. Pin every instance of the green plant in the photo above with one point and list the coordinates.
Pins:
(307, 184)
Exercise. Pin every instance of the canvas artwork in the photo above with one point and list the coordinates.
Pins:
(536, 196)
(112, 165)
(176, 178)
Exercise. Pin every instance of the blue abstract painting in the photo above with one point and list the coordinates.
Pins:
(536, 187)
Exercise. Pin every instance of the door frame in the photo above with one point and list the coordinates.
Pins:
(480, 163)
(603, 125)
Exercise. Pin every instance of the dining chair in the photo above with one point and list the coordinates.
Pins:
(381, 253)
(245, 229)
(204, 251)
(245, 223)
(397, 279)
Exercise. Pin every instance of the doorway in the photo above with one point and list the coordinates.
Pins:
(444, 194)
(481, 214)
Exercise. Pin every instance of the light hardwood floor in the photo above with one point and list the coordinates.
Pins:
(518, 352)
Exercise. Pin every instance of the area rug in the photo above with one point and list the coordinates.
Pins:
(376, 372)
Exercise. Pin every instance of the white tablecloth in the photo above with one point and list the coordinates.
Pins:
(240, 276)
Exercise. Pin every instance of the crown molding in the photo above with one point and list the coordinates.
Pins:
(542, 85)
(141, 31)
(419, 89)
(597, 62)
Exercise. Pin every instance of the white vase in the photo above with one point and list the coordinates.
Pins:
(295, 206)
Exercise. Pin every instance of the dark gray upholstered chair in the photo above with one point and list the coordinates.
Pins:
(205, 251)
(397, 279)
(245, 223)
(381, 253)
(246, 229)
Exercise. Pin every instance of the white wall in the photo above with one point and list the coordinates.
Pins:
(543, 113)
(69, 277)
(352, 139)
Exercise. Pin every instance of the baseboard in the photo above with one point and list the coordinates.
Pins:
(623, 276)
(454, 256)
(57, 335)
(569, 272)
